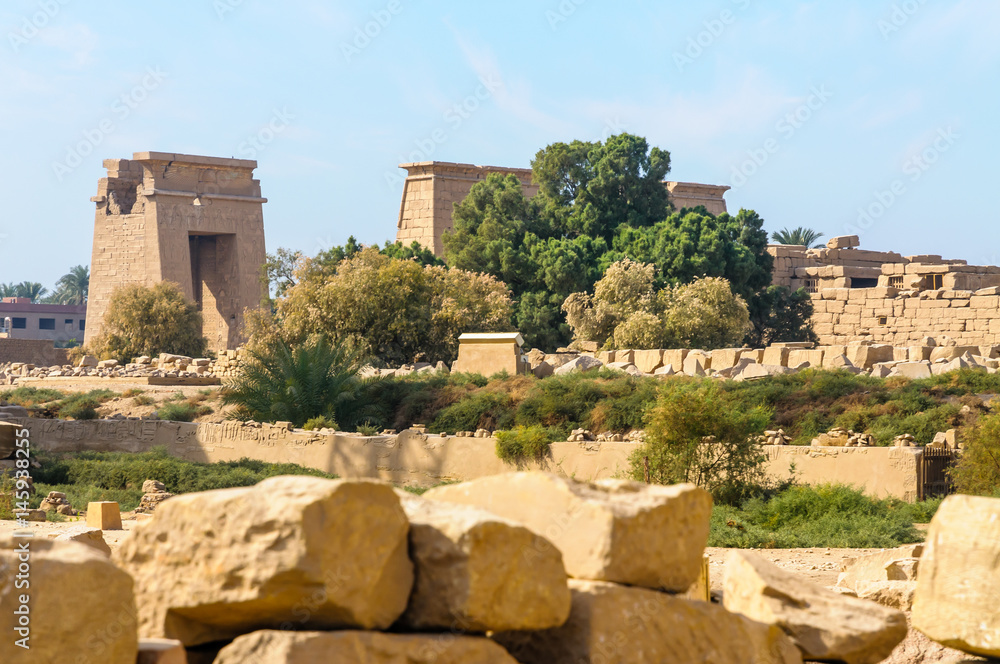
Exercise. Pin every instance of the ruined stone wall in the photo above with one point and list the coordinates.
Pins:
(39, 352)
(882, 315)
(417, 459)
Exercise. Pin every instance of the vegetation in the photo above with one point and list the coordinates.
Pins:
(978, 469)
(118, 476)
(72, 288)
(145, 320)
(296, 383)
(47, 402)
(821, 516)
(523, 443)
(30, 289)
(805, 237)
(396, 310)
(320, 422)
(597, 204)
(686, 417)
(181, 411)
(626, 311)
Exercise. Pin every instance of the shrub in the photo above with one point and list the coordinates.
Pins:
(80, 405)
(296, 383)
(697, 434)
(143, 320)
(828, 516)
(143, 400)
(704, 314)
(367, 429)
(522, 444)
(481, 410)
(320, 422)
(132, 392)
(396, 310)
(30, 397)
(181, 411)
(978, 469)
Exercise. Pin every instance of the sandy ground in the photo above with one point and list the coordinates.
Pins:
(817, 564)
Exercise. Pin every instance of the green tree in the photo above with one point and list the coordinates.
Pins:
(696, 433)
(299, 382)
(805, 237)
(779, 314)
(30, 289)
(978, 469)
(143, 320)
(396, 310)
(73, 287)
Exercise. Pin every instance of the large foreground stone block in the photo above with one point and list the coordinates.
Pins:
(352, 647)
(957, 602)
(825, 625)
(80, 606)
(475, 571)
(302, 551)
(611, 530)
(613, 623)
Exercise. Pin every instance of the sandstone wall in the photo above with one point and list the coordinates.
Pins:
(416, 459)
(843, 315)
(39, 352)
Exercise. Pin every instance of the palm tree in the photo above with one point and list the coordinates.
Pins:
(72, 287)
(8, 290)
(31, 289)
(296, 383)
(801, 236)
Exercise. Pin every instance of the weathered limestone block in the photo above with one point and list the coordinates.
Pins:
(610, 530)
(675, 358)
(776, 355)
(322, 553)
(648, 361)
(104, 515)
(81, 606)
(843, 242)
(752, 371)
(956, 603)
(725, 358)
(894, 594)
(92, 537)
(613, 623)
(696, 363)
(475, 571)
(579, 364)
(353, 647)
(543, 370)
(914, 370)
(824, 625)
(624, 367)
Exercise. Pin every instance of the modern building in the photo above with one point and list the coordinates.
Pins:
(20, 318)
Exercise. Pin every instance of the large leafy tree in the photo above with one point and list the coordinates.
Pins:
(597, 204)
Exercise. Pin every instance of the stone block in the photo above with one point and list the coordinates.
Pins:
(610, 530)
(648, 361)
(233, 560)
(354, 647)
(725, 358)
(893, 594)
(161, 651)
(675, 358)
(81, 606)
(824, 625)
(104, 515)
(776, 355)
(843, 242)
(696, 363)
(579, 364)
(624, 625)
(477, 572)
(92, 537)
(913, 370)
(812, 357)
(957, 590)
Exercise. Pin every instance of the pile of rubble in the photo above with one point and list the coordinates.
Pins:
(153, 493)
(841, 437)
(166, 365)
(523, 567)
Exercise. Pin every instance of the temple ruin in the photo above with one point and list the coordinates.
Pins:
(887, 298)
(432, 188)
(195, 221)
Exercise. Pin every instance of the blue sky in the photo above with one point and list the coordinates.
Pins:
(872, 117)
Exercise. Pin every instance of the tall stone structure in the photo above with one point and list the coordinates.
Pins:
(432, 188)
(195, 221)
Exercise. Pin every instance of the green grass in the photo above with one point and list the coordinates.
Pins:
(118, 476)
(181, 411)
(834, 516)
